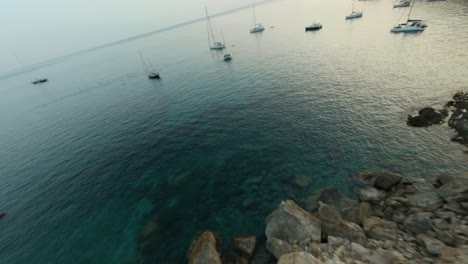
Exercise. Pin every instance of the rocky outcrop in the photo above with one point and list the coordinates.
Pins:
(204, 250)
(399, 220)
(426, 117)
(457, 109)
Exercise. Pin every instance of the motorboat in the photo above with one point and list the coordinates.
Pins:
(403, 3)
(43, 80)
(154, 75)
(314, 26)
(217, 46)
(227, 57)
(354, 15)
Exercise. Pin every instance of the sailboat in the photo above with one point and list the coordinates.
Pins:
(227, 56)
(410, 26)
(216, 45)
(257, 26)
(151, 74)
(35, 81)
(354, 14)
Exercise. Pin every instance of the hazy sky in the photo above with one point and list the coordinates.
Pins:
(40, 30)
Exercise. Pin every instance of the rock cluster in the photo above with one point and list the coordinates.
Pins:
(457, 109)
(397, 220)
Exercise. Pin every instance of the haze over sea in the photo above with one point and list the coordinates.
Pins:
(88, 159)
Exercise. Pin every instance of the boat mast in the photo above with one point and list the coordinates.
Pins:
(145, 66)
(222, 35)
(209, 23)
(352, 9)
(255, 17)
(411, 9)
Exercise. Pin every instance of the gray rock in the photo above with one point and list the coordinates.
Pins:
(279, 247)
(262, 256)
(385, 180)
(365, 211)
(290, 223)
(382, 256)
(333, 225)
(454, 190)
(204, 249)
(246, 244)
(359, 252)
(347, 207)
(366, 175)
(299, 258)
(446, 237)
(440, 224)
(427, 201)
(418, 223)
(398, 217)
(371, 195)
(336, 241)
(432, 245)
(444, 214)
(380, 229)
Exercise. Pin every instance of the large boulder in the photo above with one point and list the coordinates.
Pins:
(427, 116)
(347, 207)
(371, 195)
(380, 229)
(333, 225)
(385, 180)
(427, 201)
(299, 258)
(289, 222)
(204, 249)
(246, 244)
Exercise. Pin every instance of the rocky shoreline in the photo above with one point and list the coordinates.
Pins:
(457, 112)
(397, 220)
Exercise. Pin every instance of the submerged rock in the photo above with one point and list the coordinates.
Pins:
(204, 249)
(246, 244)
(301, 181)
(2, 214)
(347, 207)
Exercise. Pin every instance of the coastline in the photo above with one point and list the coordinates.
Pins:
(396, 219)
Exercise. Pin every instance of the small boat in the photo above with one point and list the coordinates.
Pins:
(403, 3)
(314, 26)
(423, 25)
(150, 73)
(216, 45)
(407, 27)
(435, 0)
(257, 26)
(227, 57)
(40, 81)
(354, 14)
(154, 75)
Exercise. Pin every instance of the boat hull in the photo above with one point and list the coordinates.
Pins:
(257, 30)
(406, 30)
(353, 16)
(401, 5)
(39, 81)
(313, 28)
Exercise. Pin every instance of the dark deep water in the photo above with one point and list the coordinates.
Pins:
(88, 159)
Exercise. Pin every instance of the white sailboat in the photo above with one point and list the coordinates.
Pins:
(410, 26)
(257, 26)
(214, 45)
(354, 14)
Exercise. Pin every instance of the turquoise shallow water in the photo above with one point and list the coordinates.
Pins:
(90, 158)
